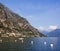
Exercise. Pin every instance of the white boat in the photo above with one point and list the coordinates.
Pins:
(32, 42)
(51, 45)
(45, 43)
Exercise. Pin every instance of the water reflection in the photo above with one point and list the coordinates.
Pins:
(15, 40)
(22, 41)
(0, 40)
(24, 44)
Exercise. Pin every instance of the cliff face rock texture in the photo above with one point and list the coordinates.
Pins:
(11, 22)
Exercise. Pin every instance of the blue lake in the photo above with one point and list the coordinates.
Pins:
(32, 44)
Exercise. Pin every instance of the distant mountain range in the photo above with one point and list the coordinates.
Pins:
(54, 33)
(11, 22)
(44, 32)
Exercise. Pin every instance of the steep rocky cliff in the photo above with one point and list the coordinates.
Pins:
(12, 22)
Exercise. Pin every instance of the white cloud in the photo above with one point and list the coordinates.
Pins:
(52, 27)
(41, 28)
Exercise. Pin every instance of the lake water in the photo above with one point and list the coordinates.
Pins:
(32, 44)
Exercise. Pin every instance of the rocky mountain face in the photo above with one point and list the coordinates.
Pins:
(11, 22)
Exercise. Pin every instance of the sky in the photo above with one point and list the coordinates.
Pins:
(42, 14)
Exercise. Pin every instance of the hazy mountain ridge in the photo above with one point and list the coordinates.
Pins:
(12, 22)
(54, 33)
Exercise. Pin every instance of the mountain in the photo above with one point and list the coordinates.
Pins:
(13, 24)
(44, 32)
(54, 33)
